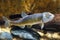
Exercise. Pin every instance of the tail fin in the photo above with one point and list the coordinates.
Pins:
(7, 22)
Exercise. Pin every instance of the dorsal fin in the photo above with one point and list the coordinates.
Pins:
(23, 14)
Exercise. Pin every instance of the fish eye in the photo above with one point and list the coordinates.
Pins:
(49, 15)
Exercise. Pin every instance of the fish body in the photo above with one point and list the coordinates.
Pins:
(28, 20)
(39, 18)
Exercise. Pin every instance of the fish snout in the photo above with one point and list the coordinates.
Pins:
(53, 15)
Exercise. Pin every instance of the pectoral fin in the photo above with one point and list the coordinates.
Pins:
(42, 25)
(23, 14)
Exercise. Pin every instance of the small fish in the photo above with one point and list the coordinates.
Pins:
(5, 36)
(26, 33)
(29, 20)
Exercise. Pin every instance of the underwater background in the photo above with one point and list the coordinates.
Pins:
(12, 9)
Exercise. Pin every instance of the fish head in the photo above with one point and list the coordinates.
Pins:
(47, 16)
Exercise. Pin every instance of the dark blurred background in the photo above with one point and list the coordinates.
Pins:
(11, 7)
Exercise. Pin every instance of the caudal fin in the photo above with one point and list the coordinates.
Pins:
(7, 22)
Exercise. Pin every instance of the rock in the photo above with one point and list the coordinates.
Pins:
(26, 33)
(5, 36)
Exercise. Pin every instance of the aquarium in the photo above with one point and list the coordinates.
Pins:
(29, 19)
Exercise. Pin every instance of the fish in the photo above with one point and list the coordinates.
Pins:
(5, 36)
(29, 20)
(26, 33)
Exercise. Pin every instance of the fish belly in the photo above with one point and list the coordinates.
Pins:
(29, 23)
